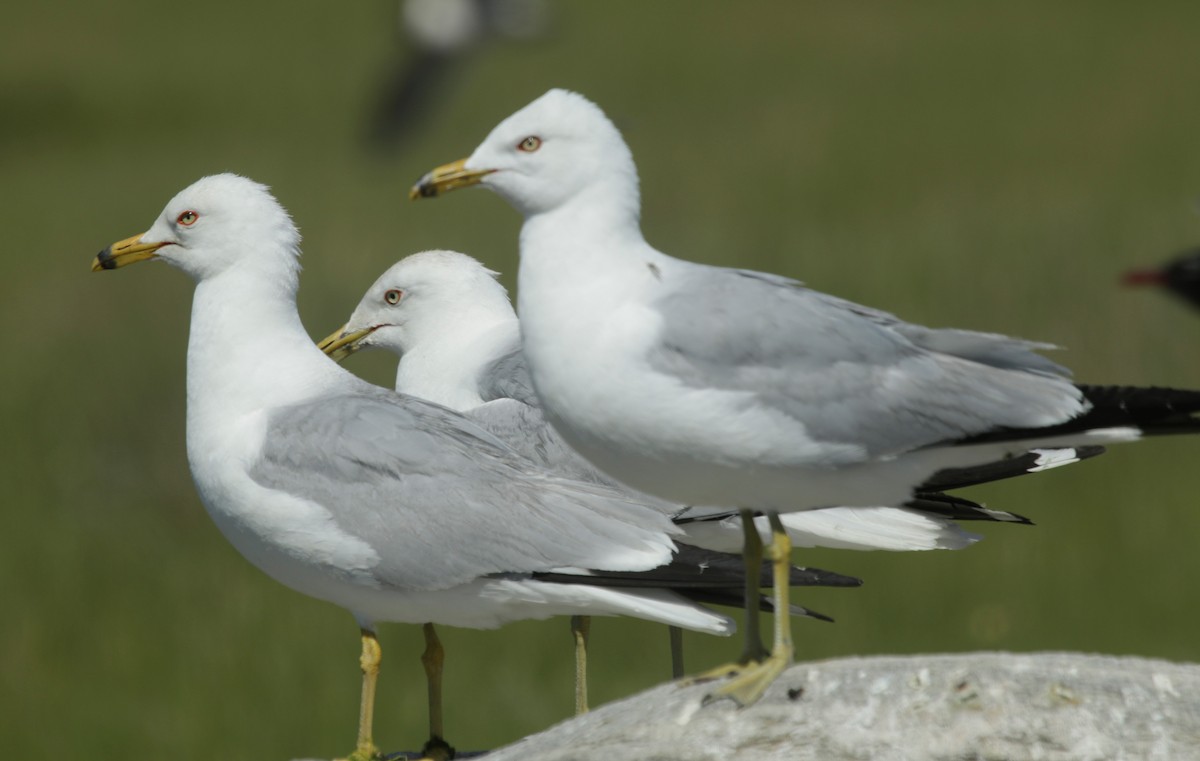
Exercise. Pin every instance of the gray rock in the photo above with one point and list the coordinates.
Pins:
(971, 707)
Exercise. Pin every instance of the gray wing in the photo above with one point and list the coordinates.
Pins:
(507, 377)
(525, 429)
(991, 349)
(851, 374)
(443, 502)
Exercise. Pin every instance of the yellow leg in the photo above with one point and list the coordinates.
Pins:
(752, 647)
(436, 749)
(372, 654)
(781, 557)
(580, 627)
(752, 681)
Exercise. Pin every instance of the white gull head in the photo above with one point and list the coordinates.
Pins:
(557, 149)
(227, 222)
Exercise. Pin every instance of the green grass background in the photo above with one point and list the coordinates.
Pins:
(988, 165)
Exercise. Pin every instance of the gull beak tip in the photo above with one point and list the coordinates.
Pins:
(424, 188)
(343, 342)
(445, 178)
(104, 261)
(124, 252)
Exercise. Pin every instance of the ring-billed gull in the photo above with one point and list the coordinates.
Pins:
(458, 338)
(452, 324)
(395, 508)
(450, 321)
(712, 385)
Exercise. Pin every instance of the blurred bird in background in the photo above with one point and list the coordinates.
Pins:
(443, 36)
(1179, 276)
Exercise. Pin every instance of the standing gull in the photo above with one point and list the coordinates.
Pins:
(710, 385)
(390, 506)
(452, 325)
(450, 322)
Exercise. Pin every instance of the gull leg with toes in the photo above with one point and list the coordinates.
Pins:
(372, 654)
(752, 647)
(753, 680)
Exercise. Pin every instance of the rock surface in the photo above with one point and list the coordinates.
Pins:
(970, 707)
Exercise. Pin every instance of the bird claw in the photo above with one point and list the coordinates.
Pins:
(751, 681)
(364, 753)
(437, 749)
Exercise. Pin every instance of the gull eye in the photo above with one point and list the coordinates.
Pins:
(188, 218)
(530, 144)
(393, 296)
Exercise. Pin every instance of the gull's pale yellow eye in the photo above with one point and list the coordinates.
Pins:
(188, 218)
(530, 144)
(393, 296)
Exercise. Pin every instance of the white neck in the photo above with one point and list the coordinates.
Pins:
(447, 370)
(583, 288)
(260, 357)
(579, 263)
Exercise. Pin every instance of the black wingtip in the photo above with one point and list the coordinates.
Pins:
(1155, 410)
(1152, 410)
(818, 577)
(767, 603)
(800, 610)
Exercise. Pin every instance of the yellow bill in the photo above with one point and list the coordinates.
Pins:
(339, 344)
(125, 252)
(447, 177)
